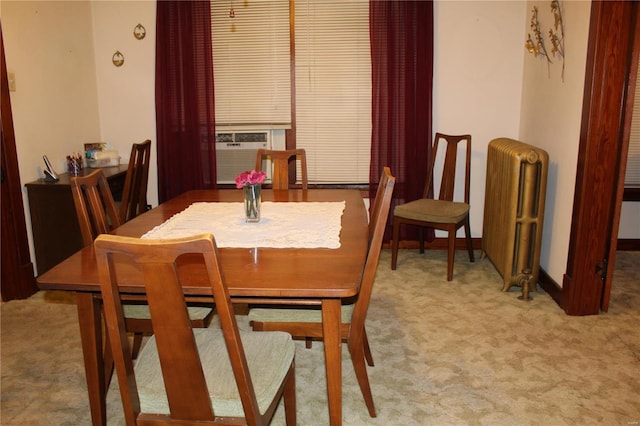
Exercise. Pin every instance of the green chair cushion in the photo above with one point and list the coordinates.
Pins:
(436, 211)
(269, 356)
(295, 315)
(142, 312)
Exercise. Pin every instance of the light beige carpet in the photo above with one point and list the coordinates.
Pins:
(446, 353)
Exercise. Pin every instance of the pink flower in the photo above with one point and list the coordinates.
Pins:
(250, 178)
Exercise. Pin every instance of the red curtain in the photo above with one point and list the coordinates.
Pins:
(402, 75)
(185, 113)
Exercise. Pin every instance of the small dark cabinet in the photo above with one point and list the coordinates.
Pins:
(56, 232)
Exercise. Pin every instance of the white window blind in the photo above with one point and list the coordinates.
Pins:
(333, 89)
(632, 177)
(251, 62)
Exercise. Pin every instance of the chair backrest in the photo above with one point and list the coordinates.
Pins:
(182, 371)
(378, 223)
(280, 166)
(134, 193)
(95, 208)
(447, 183)
(376, 204)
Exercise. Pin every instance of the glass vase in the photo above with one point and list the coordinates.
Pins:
(252, 202)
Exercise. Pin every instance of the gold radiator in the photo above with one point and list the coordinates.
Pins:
(514, 210)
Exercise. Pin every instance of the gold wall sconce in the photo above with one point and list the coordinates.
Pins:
(117, 59)
(139, 32)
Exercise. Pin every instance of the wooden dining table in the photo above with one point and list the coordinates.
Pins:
(304, 276)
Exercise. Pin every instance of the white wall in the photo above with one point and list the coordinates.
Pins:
(126, 94)
(550, 119)
(629, 220)
(478, 62)
(49, 48)
(55, 102)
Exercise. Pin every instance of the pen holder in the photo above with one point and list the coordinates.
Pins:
(74, 166)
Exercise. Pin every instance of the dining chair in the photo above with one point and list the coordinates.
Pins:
(442, 213)
(134, 193)
(280, 166)
(303, 323)
(97, 214)
(185, 375)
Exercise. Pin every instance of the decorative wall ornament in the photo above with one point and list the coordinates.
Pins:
(536, 47)
(557, 36)
(117, 59)
(139, 32)
(535, 44)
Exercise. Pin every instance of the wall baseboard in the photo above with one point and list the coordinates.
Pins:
(628, 244)
(437, 244)
(625, 244)
(550, 286)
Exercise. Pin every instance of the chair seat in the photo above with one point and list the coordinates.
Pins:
(142, 312)
(295, 315)
(436, 211)
(269, 356)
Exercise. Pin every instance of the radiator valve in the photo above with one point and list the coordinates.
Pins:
(524, 280)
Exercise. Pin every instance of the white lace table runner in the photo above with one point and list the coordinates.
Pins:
(282, 225)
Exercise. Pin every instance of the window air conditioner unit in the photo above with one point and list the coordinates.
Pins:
(236, 152)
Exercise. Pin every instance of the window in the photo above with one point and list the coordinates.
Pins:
(252, 59)
(251, 63)
(333, 89)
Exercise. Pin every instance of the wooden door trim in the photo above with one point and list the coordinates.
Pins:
(627, 115)
(17, 270)
(598, 193)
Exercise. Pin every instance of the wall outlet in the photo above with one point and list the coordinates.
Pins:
(12, 82)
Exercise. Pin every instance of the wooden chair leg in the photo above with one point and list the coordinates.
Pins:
(137, 343)
(451, 253)
(308, 342)
(421, 239)
(358, 360)
(289, 396)
(395, 243)
(367, 350)
(467, 233)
